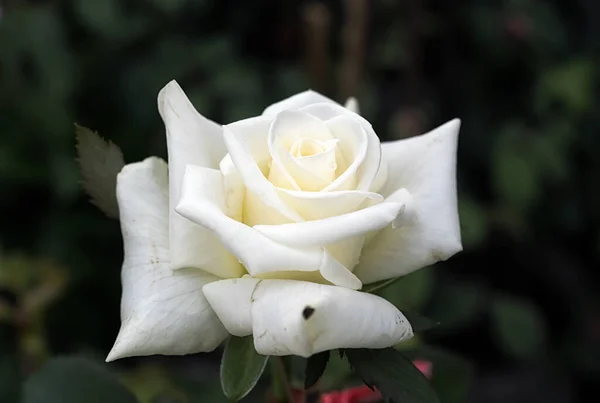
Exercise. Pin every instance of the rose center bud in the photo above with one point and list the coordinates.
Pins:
(309, 165)
(306, 147)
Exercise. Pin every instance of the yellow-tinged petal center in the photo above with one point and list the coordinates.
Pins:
(310, 165)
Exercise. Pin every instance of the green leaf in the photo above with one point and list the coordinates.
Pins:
(75, 380)
(315, 366)
(520, 328)
(392, 374)
(337, 371)
(241, 367)
(100, 163)
(451, 374)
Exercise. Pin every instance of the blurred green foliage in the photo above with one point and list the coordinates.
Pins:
(521, 74)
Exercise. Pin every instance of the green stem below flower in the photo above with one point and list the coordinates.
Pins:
(280, 385)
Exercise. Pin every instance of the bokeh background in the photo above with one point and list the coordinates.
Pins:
(519, 308)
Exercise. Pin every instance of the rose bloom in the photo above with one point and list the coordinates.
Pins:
(271, 225)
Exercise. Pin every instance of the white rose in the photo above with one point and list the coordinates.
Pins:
(269, 226)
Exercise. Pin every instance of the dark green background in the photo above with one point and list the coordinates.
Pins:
(519, 305)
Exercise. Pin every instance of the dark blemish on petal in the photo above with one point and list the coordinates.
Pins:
(308, 312)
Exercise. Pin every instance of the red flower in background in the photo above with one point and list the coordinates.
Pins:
(358, 394)
(364, 394)
(426, 367)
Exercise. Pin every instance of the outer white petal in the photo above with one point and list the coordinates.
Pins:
(231, 301)
(303, 318)
(426, 167)
(247, 145)
(202, 202)
(297, 101)
(191, 139)
(370, 165)
(162, 312)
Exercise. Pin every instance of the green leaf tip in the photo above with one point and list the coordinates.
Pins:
(392, 374)
(315, 366)
(241, 367)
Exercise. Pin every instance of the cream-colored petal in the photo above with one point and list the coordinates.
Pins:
(333, 229)
(353, 145)
(288, 171)
(234, 189)
(259, 254)
(318, 205)
(425, 166)
(370, 165)
(162, 311)
(322, 165)
(341, 235)
(248, 148)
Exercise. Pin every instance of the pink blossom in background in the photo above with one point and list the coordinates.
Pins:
(424, 366)
(357, 394)
(364, 394)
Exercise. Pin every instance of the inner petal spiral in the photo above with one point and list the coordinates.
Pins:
(305, 147)
(310, 163)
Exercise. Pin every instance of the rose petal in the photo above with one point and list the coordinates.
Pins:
(353, 145)
(303, 318)
(322, 165)
(233, 308)
(352, 105)
(247, 145)
(317, 205)
(191, 139)
(333, 229)
(162, 312)
(234, 189)
(370, 165)
(342, 235)
(287, 171)
(426, 167)
(297, 101)
(202, 201)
